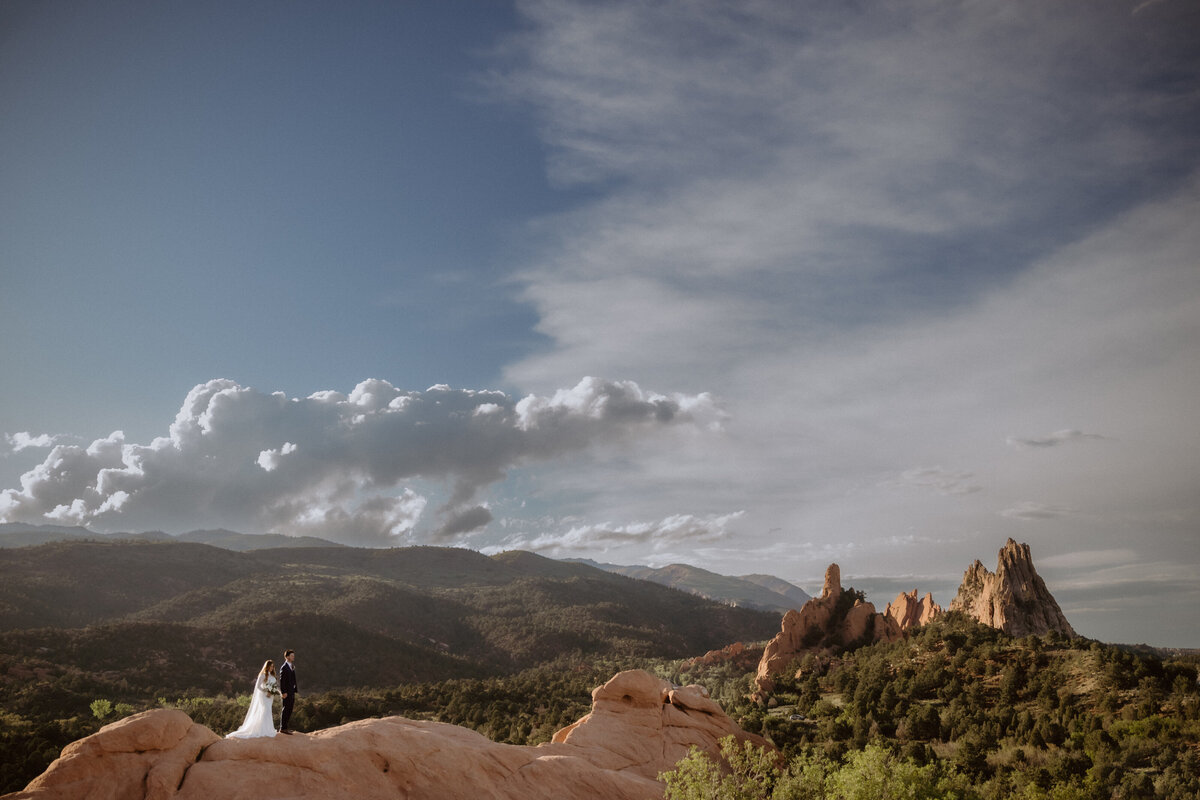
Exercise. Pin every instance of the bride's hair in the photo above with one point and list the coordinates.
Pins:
(268, 668)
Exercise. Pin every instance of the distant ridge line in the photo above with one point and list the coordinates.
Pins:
(760, 592)
(19, 534)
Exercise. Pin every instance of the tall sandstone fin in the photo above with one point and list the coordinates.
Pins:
(1014, 598)
(909, 612)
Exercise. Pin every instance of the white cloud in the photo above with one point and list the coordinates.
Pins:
(378, 520)
(269, 459)
(23, 440)
(343, 460)
(884, 237)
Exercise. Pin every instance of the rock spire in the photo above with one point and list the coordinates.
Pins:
(1013, 599)
(824, 625)
(909, 612)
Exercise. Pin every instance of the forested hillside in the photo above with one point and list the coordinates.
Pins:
(513, 645)
(958, 709)
(136, 624)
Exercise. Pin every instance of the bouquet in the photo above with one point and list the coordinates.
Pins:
(271, 687)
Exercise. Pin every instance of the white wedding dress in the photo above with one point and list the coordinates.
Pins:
(260, 719)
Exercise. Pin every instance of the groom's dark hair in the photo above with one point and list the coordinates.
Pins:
(287, 653)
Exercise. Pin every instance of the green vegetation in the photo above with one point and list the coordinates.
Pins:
(93, 631)
(961, 710)
(512, 647)
(753, 773)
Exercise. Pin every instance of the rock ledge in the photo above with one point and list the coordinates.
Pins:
(639, 726)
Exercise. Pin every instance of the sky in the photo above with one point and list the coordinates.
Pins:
(757, 287)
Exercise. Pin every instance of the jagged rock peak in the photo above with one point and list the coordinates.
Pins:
(833, 582)
(909, 612)
(823, 626)
(1014, 598)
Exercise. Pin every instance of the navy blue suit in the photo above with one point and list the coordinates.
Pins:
(287, 686)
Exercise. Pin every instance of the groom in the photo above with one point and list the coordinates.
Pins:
(287, 689)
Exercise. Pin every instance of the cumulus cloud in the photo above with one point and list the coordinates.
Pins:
(1054, 439)
(23, 440)
(658, 535)
(378, 520)
(269, 459)
(333, 464)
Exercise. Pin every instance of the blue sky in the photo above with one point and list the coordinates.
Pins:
(755, 287)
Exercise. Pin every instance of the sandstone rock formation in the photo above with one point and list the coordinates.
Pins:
(909, 612)
(1013, 599)
(737, 655)
(825, 624)
(639, 726)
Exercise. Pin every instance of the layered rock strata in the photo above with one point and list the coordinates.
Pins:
(639, 726)
(1013, 598)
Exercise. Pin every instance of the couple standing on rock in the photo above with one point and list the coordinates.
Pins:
(260, 721)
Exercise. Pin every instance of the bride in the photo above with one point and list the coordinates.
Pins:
(260, 719)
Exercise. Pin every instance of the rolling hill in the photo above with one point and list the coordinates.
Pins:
(15, 534)
(762, 592)
(175, 615)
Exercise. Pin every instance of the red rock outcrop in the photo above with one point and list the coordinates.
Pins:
(736, 654)
(639, 726)
(1013, 599)
(823, 625)
(909, 612)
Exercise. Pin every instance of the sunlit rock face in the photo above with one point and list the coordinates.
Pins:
(909, 612)
(823, 625)
(1013, 599)
(639, 726)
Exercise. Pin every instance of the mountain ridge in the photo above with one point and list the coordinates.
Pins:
(756, 591)
(763, 592)
(92, 604)
(19, 534)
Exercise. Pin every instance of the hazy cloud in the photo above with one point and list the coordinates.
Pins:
(940, 480)
(1055, 439)
(332, 464)
(1090, 559)
(658, 535)
(1029, 510)
(886, 235)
